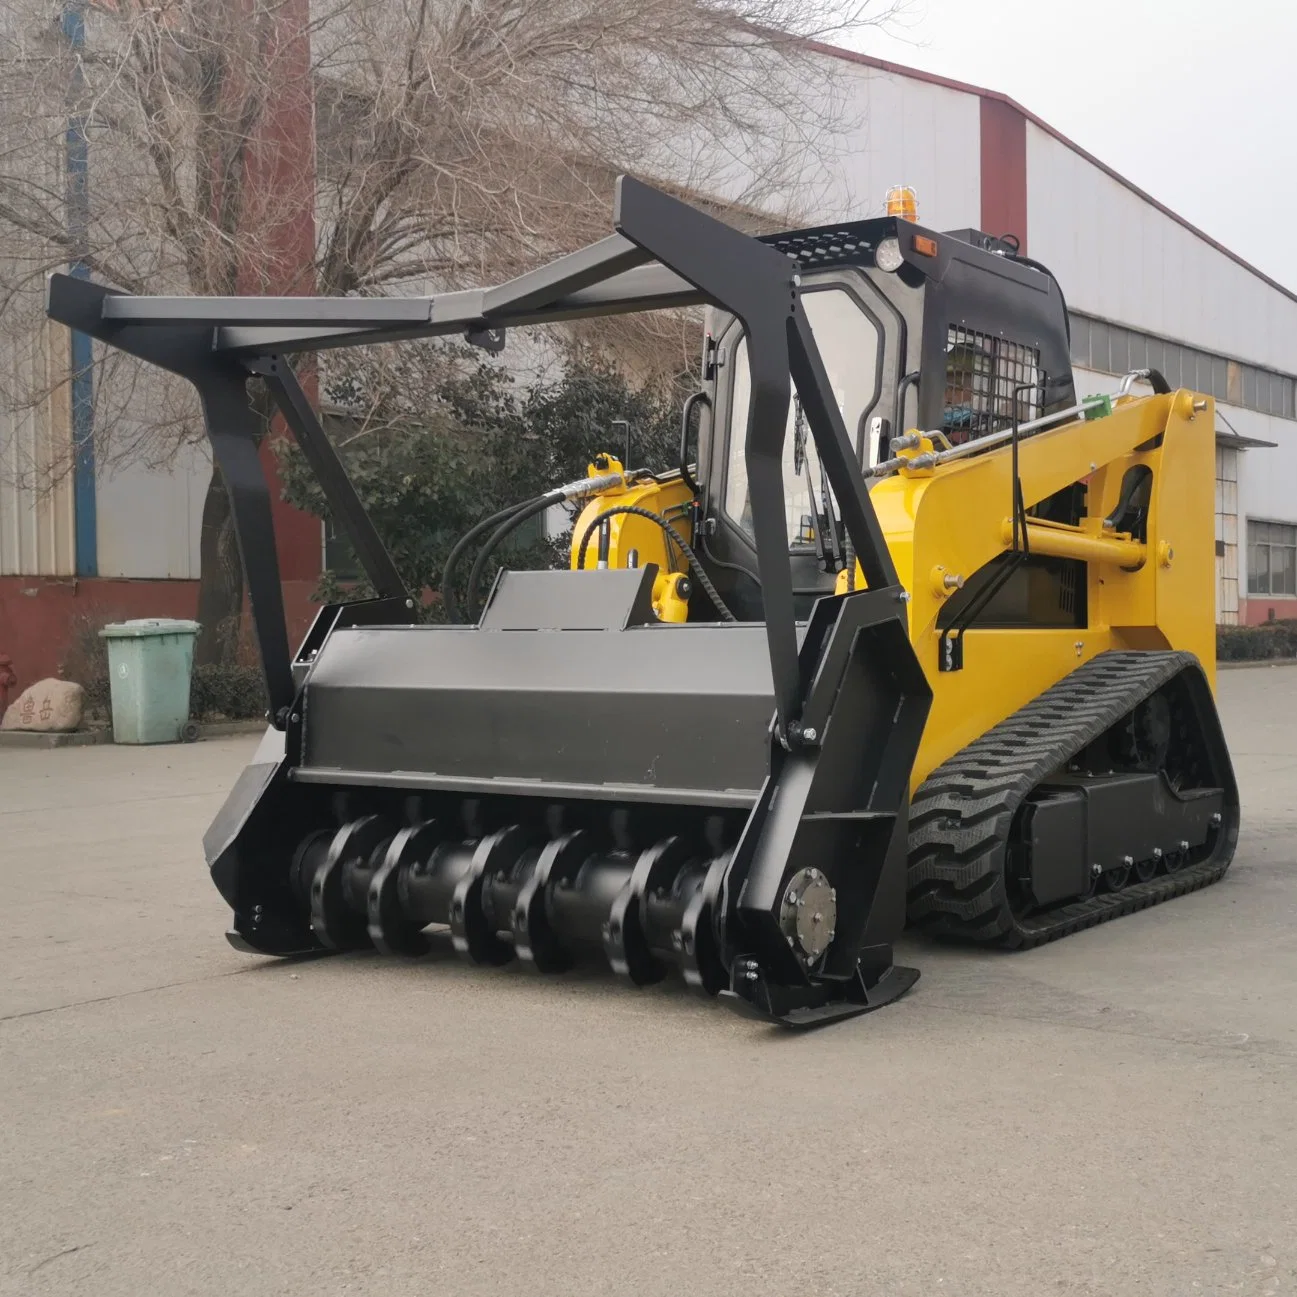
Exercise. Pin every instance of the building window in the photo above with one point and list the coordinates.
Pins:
(1271, 558)
(1227, 535)
(1113, 349)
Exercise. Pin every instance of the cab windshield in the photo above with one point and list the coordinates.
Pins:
(848, 343)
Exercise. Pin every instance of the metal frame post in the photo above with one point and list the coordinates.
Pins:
(344, 503)
(665, 254)
(81, 358)
(234, 430)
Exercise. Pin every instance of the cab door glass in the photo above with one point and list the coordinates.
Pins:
(848, 343)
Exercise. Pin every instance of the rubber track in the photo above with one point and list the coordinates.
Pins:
(961, 816)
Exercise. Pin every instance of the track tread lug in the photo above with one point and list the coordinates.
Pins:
(961, 816)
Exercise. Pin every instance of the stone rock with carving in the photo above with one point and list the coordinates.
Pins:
(47, 707)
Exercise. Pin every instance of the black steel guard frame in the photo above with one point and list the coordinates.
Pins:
(665, 254)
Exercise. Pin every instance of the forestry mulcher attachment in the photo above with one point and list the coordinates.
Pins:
(829, 668)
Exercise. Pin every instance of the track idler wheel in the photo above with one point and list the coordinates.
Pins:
(1142, 740)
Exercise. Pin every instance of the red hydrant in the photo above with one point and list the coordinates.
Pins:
(7, 681)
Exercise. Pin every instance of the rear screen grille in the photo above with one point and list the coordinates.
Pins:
(982, 375)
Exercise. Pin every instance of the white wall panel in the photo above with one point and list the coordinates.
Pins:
(873, 129)
(908, 132)
(37, 519)
(150, 517)
(1267, 479)
(1120, 258)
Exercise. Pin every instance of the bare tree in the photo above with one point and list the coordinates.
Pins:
(352, 146)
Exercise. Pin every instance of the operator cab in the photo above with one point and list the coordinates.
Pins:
(944, 332)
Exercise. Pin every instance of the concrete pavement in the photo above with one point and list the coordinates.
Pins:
(1112, 1114)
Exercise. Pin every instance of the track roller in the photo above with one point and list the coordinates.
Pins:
(1110, 792)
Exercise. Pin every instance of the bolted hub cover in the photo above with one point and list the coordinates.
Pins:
(809, 913)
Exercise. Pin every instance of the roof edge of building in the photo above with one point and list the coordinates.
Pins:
(965, 87)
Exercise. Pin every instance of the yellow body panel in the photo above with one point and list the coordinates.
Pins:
(630, 533)
(952, 522)
(944, 523)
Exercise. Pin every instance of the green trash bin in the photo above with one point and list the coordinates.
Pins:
(150, 662)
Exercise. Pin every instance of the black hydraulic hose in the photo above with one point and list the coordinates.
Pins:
(515, 520)
(729, 567)
(447, 577)
(703, 580)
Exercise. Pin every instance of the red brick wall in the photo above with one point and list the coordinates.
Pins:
(47, 626)
(1004, 170)
(1259, 609)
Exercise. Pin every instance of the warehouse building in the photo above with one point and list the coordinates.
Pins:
(1145, 288)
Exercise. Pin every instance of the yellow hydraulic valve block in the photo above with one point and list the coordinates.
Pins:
(635, 539)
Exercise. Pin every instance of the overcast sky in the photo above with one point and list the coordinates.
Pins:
(1194, 101)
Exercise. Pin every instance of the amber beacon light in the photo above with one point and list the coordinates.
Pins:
(903, 202)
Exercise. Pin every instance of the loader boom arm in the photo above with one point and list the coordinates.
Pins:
(947, 522)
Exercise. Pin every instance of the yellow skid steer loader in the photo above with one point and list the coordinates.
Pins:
(909, 631)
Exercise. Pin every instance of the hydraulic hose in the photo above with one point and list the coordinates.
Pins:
(571, 491)
(703, 580)
(509, 525)
(447, 578)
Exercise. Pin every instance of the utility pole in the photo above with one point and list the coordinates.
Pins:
(77, 172)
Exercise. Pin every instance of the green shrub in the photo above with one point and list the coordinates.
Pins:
(235, 692)
(1273, 639)
(438, 439)
(232, 693)
(97, 699)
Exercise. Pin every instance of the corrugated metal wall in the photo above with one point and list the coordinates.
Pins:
(1120, 258)
(36, 496)
(150, 516)
(910, 133)
(149, 506)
